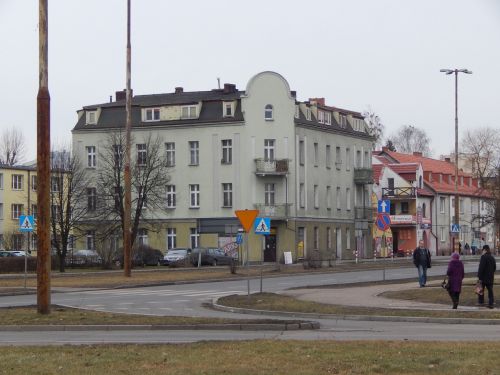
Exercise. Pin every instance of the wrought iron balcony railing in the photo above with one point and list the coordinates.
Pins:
(274, 167)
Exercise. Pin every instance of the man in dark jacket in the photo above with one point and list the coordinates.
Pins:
(485, 274)
(422, 260)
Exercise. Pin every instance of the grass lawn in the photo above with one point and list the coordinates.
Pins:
(277, 302)
(257, 357)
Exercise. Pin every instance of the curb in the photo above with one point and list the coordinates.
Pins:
(376, 318)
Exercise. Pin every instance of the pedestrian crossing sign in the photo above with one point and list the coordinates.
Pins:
(26, 223)
(262, 225)
(455, 228)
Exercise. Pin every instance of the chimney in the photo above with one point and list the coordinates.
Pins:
(121, 95)
(293, 93)
(318, 101)
(229, 88)
(415, 153)
(179, 90)
(448, 160)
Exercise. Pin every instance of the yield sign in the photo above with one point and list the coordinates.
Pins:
(246, 218)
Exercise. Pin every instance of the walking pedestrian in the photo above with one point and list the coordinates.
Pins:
(455, 275)
(422, 260)
(467, 249)
(486, 274)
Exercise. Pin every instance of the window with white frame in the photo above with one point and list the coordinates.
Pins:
(442, 204)
(321, 117)
(347, 159)
(189, 111)
(328, 154)
(316, 196)
(17, 182)
(90, 239)
(194, 196)
(442, 234)
(301, 153)
(338, 197)
(297, 111)
(91, 117)
(302, 195)
(117, 195)
(143, 197)
(171, 238)
(34, 211)
(316, 154)
(1, 180)
(91, 199)
(328, 197)
(329, 238)
(308, 113)
(367, 163)
(268, 112)
(170, 196)
(227, 195)
(151, 114)
(55, 184)
(316, 238)
(461, 205)
(194, 237)
(142, 154)
(338, 157)
(228, 109)
(17, 241)
(55, 211)
(269, 194)
(348, 198)
(118, 155)
(91, 156)
(142, 236)
(1, 212)
(342, 121)
(170, 153)
(194, 152)
(348, 238)
(269, 149)
(358, 159)
(328, 118)
(227, 151)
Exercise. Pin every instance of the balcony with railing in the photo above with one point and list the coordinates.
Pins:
(273, 211)
(363, 176)
(275, 167)
(399, 192)
(363, 213)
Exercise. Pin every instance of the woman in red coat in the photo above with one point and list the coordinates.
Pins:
(455, 274)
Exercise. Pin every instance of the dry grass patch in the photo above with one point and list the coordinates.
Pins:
(256, 357)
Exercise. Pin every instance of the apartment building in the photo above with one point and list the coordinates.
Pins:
(303, 164)
(439, 178)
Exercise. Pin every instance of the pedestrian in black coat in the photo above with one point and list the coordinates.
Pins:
(486, 275)
(422, 260)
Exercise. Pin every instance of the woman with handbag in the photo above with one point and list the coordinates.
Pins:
(455, 274)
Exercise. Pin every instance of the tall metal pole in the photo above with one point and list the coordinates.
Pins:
(127, 266)
(457, 217)
(43, 166)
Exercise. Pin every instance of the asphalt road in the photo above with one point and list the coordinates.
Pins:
(187, 300)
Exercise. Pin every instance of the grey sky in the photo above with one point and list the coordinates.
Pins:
(383, 54)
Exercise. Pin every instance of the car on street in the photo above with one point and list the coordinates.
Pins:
(18, 253)
(143, 255)
(176, 256)
(212, 256)
(4, 254)
(83, 258)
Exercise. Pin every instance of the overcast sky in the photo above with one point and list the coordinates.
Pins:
(358, 54)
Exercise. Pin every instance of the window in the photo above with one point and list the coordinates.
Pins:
(269, 149)
(308, 113)
(328, 118)
(91, 117)
(316, 238)
(442, 234)
(348, 198)
(424, 210)
(117, 195)
(227, 195)
(348, 159)
(171, 238)
(268, 112)
(358, 159)
(91, 199)
(461, 205)
(269, 193)
(17, 241)
(90, 237)
(342, 121)
(227, 151)
(170, 196)
(194, 237)
(142, 154)
(91, 156)
(302, 195)
(316, 196)
(17, 210)
(338, 199)
(321, 117)
(142, 236)
(348, 238)
(301, 153)
(143, 197)
(152, 114)
(338, 157)
(328, 197)
(170, 150)
(228, 109)
(1, 213)
(118, 155)
(405, 208)
(297, 111)
(328, 157)
(316, 154)
(55, 211)
(368, 163)
(194, 196)
(17, 182)
(442, 204)
(194, 153)
(189, 111)
(34, 211)
(55, 184)
(329, 238)
(1, 180)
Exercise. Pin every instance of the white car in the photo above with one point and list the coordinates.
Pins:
(175, 256)
(18, 253)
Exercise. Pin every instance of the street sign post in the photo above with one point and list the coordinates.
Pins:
(247, 218)
(26, 224)
(384, 206)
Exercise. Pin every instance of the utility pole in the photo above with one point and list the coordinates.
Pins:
(43, 165)
(127, 245)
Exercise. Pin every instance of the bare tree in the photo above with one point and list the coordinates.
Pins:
(375, 126)
(409, 139)
(67, 196)
(149, 179)
(12, 146)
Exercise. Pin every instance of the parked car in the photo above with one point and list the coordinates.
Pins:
(18, 253)
(4, 254)
(176, 256)
(143, 255)
(210, 256)
(83, 257)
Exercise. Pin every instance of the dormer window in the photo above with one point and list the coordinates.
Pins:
(152, 114)
(343, 121)
(321, 117)
(297, 111)
(268, 112)
(228, 110)
(189, 111)
(91, 117)
(328, 118)
(308, 113)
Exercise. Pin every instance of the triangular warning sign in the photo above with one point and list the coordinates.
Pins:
(246, 218)
(26, 223)
(261, 227)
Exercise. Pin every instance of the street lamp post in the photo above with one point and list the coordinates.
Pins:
(456, 71)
